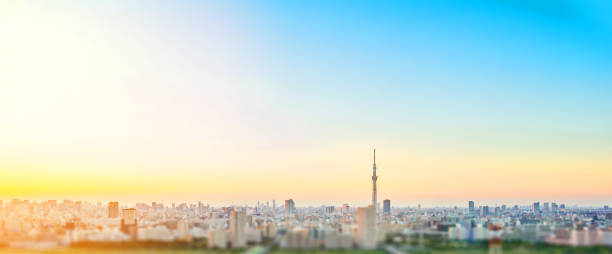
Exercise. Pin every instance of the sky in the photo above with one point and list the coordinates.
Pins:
(233, 102)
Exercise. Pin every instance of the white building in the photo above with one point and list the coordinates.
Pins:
(366, 232)
(182, 230)
(217, 239)
(237, 229)
(606, 238)
(253, 235)
(157, 233)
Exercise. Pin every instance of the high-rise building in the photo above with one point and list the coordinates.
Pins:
(346, 208)
(113, 209)
(554, 207)
(274, 204)
(387, 207)
(129, 222)
(128, 216)
(289, 207)
(366, 231)
(237, 229)
(374, 178)
(546, 207)
(200, 208)
(535, 208)
(217, 239)
(485, 211)
(182, 229)
(471, 207)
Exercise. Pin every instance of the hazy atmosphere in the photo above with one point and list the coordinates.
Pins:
(238, 101)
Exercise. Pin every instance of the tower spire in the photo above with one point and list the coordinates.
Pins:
(374, 178)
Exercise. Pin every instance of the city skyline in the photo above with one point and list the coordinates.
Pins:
(131, 202)
(235, 102)
(294, 127)
(73, 224)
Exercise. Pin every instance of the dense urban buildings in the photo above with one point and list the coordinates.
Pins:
(33, 224)
(38, 224)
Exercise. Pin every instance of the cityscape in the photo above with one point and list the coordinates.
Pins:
(305, 127)
(266, 226)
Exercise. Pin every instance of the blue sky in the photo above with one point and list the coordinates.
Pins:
(218, 95)
(540, 64)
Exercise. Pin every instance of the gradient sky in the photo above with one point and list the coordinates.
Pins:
(238, 101)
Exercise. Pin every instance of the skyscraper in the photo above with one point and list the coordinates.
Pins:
(535, 208)
(366, 231)
(554, 207)
(289, 207)
(113, 209)
(471, 207)
(237, 229)
(485, 211)
(374, 178)
(387, 207)
(129, 222)
(128, 216)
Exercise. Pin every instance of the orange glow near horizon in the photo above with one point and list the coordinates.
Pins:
(316, 176)
(219, 102)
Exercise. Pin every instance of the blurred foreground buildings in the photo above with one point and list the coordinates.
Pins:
(26, 224)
